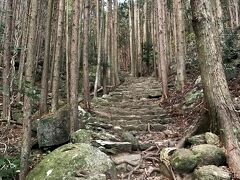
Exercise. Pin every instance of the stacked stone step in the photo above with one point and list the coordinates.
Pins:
(129, 106)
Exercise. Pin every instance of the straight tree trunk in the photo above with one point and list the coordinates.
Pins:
(180, 46)
(27, 107)
(57, 57)
(131, 41)
(85, 55)
(105, 58)
(74, 68)
(44, 81)
(6, 61)
(99, 43)
(115, 43)
(217, 95)
(162, 52)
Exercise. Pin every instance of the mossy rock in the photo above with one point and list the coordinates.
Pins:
(197, 139)
(211, 172)
(212, 139)
(70, 160)
(209, 154)
(207, 138)
(82, 136)
(184, 160)
(193, 96)
(129, 137)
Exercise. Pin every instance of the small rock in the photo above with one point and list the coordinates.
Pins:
(81, 136)
(209, 154)
(157, 127)
(132, 159)
(141, 127)
(211, 173)
(129, 137)
(122, 167)
(116, 146)
(145, 145)
(212, 139)
(184, 160)
(197, 139)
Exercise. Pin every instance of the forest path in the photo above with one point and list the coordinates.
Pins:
(133, 107)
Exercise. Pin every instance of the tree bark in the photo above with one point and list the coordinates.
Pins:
(217, 95)
(44, 81)
(57, 58)
(180, 45)
(85, 55)
(6, 61)
(99, 43)
(74, 68)
(27, 107)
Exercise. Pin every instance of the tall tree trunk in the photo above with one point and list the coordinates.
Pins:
(217, 95)
(85, 55)
(131, 41)
(57, 58)
(115, 43)
(67, 50)
(99, 43)
(139, 41)
(44, 81)
(27, 107)
(6, 61)
(105, 58)
(180, 46)
(74, 68)
(162, 52)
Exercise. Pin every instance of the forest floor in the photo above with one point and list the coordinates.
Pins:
(136, 107)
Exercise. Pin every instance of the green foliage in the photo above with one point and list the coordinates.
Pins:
(9, 167)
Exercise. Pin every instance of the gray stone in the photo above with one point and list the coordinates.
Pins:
(212, 138)
(157, 127)
(70, 160)
(53, 129)
(132, 159)
(184, 160)
(129, 137)
(122, 167)
(193, 96)
(82, 136)
(209, 154)
(197, 139)
(211, 173)
(117, 147)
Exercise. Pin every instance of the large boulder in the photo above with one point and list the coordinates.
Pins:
(74, 161)
(209, 154)
(53, 129)
(184, 160)
(211, 173)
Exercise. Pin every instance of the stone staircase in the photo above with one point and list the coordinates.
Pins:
(133, 106)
